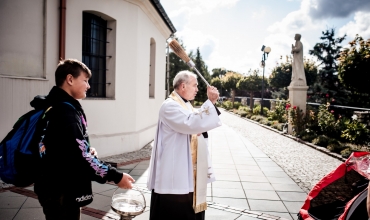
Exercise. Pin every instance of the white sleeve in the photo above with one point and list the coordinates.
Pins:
(188, 122)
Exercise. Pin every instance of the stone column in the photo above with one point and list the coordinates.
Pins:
(297, 97)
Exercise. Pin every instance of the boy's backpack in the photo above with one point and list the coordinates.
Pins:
(19, 150)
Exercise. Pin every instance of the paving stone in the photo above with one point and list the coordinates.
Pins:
(8, 214)
(258, 186)
(12, 202)
(235, 203)
(285, 215)
(226, 184)
(261, 194)
(266, 205)
(293, 196)
(296, 159)
(34, 213)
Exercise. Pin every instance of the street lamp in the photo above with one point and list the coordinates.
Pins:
(266, 51)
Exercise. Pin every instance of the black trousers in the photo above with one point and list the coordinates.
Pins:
(55, 209)
(173, 207)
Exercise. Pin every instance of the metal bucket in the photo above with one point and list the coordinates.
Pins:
(128, 203)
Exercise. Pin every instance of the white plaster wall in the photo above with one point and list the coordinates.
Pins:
(122, 124)
(17, 92)
(128, 122)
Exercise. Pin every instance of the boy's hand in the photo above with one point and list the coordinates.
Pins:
(93, 152)
(126, 181)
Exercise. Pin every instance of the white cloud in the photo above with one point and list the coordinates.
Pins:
(282, 33)
(360, 25)
(259, 14)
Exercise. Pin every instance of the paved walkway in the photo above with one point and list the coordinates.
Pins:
(253, 168)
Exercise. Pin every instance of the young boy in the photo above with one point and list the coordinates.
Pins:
(68, 164)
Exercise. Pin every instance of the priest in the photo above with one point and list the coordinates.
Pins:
(179, 167)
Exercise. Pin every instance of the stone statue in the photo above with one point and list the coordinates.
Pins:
(298, 75)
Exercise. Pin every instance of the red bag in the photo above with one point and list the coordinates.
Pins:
(342, 193)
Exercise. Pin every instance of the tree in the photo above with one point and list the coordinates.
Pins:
(229, 81)
(354, 66)
(217, 72)
(251, 83)
(203, 69)
(328, 84)
(281, 75)
(216, 82)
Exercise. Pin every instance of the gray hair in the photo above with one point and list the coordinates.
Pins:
(182, 77)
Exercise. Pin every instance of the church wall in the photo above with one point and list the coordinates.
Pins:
(125, 121)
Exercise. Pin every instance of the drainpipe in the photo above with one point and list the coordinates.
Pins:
(168, 67)
(62, 29)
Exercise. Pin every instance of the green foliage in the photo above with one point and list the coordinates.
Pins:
(327, 52)
(176, 65)
(244, 108)
(321, 140)
(229, 82)
(356, 132)
(308, 137)
(346, 152)
(334, 146)
(217, 72)
(203, 69)
(354, 63)
(250, 83)
(198, 103)
(280, 113)
(227, 105)
(216, 82)
(237, 105)
(281, 75)
(257, 110)
(297, 119)
(278, 126)
(326, 120)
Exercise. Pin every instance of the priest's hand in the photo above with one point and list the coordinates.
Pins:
(126, 182)
(212, 94)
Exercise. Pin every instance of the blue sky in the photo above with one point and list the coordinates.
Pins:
(230, 33)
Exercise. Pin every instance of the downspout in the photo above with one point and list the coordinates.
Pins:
(168, 67)
(62, 29)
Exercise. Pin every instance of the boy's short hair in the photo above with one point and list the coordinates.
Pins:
(70, 66)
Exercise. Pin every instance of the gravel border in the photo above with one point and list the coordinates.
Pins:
(319, 148)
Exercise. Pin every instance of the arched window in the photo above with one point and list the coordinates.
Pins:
(152, 68)
(94, 53)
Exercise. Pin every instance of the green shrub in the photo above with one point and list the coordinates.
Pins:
(278, 126)
(244, 108)
(243, 114)
(280, 113)
(308, 137)
(257, 110)
(334, 146)
(227, 105)
(237, 105)
(259, 118)
(249, 115)
(253, 117)
(198, 103)
(346, 152)
(266, 122)
(321, 140)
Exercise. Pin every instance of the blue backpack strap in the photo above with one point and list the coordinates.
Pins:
(70, 105)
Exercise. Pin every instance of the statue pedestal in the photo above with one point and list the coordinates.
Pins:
(297, 97)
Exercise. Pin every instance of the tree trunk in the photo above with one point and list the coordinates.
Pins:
(251, 101)
(233, 96)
